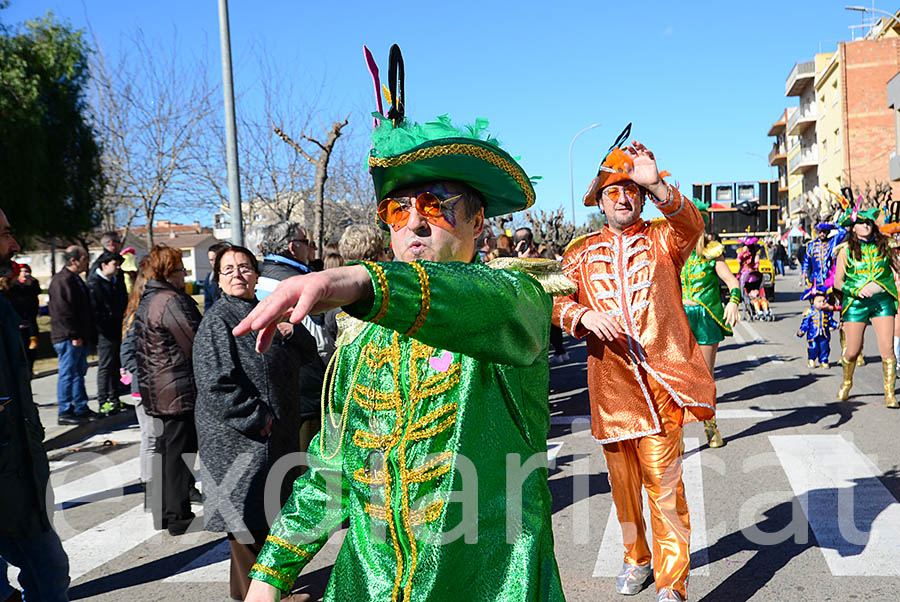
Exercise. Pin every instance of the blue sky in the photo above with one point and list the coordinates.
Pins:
(702, 81)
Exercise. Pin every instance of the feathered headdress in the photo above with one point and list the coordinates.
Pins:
(405, 153)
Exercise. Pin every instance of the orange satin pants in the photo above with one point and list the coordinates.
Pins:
(654, 462)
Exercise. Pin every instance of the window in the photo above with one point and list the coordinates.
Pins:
(837, 141)
(825, 147)
(258, 217)
(724, 193)
(185, 253)
(835, 93)
(746, 192)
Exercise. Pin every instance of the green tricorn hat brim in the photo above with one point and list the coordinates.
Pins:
(484, 166)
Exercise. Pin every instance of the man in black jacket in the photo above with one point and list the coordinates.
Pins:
(71, 330)
(287, 251)
(108, 302)
(27, 539)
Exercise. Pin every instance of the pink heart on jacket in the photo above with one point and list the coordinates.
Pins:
(442, 363)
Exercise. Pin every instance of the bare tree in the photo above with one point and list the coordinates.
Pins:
(150, 109)
(321, 164)
(552, 228)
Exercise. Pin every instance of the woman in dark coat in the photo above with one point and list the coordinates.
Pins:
(247, 415)
(164, 328)
(24, 296)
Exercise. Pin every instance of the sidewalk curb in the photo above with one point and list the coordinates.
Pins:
(79, 432)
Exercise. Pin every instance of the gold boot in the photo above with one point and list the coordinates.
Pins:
(713, 438)
(860, 360)
(847, 383)
(889, 370)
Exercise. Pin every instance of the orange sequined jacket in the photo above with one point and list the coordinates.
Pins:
(635, 277)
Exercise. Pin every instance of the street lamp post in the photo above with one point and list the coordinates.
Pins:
(863, 9)
(571, 177)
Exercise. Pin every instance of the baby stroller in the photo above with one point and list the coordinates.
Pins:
(753, 297)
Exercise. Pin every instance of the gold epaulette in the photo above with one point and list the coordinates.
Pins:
(713, 250)
(838, 248)
(348, 328)
(579, 240)
(547, 272)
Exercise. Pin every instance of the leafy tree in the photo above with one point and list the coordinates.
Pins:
(50, 178)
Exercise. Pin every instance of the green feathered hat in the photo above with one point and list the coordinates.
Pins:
(853, 215)
(404, 153)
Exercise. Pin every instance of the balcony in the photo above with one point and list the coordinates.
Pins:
(778, 154)
(802, 75)
(804, 161)
(802, 118)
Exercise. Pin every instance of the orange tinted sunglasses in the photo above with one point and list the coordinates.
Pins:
(395, 212)
(632, 191)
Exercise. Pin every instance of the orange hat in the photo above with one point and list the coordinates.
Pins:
(615, 167)
(612, 171)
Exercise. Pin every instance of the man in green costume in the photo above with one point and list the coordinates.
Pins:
(441, 389)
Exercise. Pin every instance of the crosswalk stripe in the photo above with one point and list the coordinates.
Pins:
(736, 335)
(609, 557)
(855, 518)
(213, 566)
(754, 336)
(88, 487)
(747, 414)
(553, 451)
(95, 547)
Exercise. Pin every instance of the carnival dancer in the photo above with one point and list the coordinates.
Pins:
(817, 325)
(440, 378)
(818, 261)
(866, 264)
(709, 320)
(646, 374)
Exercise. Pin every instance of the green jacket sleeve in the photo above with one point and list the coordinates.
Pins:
(498, 316)
(316, 507)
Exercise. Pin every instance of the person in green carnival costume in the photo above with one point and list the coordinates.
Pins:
(709, 320)
(866, 263)
(439, 382)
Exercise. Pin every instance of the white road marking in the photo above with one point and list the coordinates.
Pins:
(97, 546)
(609, 557)
(553, 451)
(855, 518)
(754, 336)
(111, 478)
(213, 566)
(748, 414)
(736, 335)
(569, 393)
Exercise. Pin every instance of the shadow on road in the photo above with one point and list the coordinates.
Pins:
(785, 533)
(800, 416)
(562, 489)
(724, 371)
(778, 386)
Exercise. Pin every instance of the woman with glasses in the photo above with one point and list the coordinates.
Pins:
(247, 413)
(164, 327)
(866, 264)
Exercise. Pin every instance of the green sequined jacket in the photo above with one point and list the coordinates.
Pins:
(441, 396)
(872, 266)
(700, 283)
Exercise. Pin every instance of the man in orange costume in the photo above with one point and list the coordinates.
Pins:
(646, 375)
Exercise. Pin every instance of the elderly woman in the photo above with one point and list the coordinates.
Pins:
(164, 327)
(248, 415)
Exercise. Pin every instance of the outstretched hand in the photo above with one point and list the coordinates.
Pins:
(313, 293)
(645, 173)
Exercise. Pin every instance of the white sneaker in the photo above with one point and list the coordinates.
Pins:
(633, 578)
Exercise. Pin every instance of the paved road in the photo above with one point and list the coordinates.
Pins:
(801, 503)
